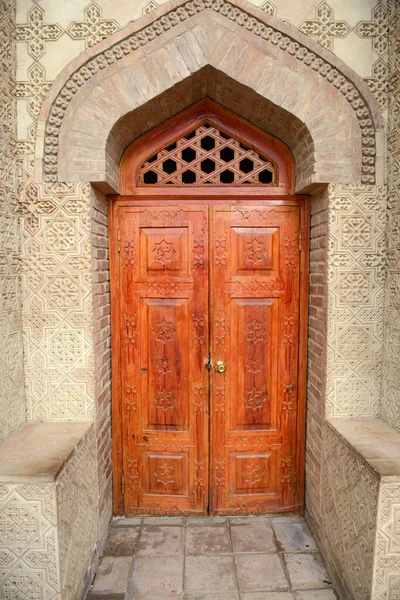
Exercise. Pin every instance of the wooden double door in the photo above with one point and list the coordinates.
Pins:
(207, 330)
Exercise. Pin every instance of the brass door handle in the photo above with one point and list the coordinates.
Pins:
(220, 366)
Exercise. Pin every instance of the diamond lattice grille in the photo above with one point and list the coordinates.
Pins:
(207, 156)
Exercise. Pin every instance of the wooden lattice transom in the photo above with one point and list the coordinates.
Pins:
(207, 156)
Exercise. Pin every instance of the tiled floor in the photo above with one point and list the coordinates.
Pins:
(235, 558)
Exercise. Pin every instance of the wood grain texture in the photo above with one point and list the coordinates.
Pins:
(198, 271)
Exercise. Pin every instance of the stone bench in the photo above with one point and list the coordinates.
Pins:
(361, 519)
(48, 510)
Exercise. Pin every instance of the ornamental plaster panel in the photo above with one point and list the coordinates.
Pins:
(386, 581)
(12, 401)
(29, 562)
(348, 511)
(57, 300)
(391, 369)
(78, 515)
(356, 278)
(125, 43)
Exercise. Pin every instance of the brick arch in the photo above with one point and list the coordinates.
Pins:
(244, 59)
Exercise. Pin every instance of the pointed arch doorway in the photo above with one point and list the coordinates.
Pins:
(209, 252)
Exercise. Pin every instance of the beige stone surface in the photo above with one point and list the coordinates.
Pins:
(59, 289)
(306, 571)
(260, 572)
(376, 441)
(121, 541)
(112, 575)
(391, 373)
(38, 451)
(294, 537)
(157, 539)
(156, 575)
(213, 539)
(315, 595)
(61, 517)
(267, 596)
(211, 574)
(257, 537)
(12, 397)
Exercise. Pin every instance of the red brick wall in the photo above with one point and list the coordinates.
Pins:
(318, 298)
(102, 353)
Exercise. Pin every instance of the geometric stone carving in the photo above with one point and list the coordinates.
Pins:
(36, 32)
(324, 27)
(349, 502)
(386, 583)
(93, 29)
(12, 401)
(356, 276)
(49, 531)
(28, 531)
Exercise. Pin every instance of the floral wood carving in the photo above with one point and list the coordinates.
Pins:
(199, 329)
(165, 475)
(130, 330)
(164, 331)
(164, 252)
(253, 474)
(198, 398)
(130, 395)
(255, 252)
(255, 332)
(164, 399)
(255, 399)
(129, 253)
(198, 253)
(220, 252)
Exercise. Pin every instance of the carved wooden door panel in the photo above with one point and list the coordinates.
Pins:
(254, 331)
(164, 347)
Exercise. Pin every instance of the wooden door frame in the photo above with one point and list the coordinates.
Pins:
(115, 202)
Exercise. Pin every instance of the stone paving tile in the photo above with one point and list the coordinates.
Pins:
(116, 596)
(283, 519)
(154, 597)
(267, 596)
(229, 596)
(193, 521)
(126, 521)
(253, 537)
(164, 521)
(208, 540)
(315, 595)
(176, 558)
(121, 541)
(258, 572)
(209, 574)
(306, 571)
(156, 575)
(294, 537)
(160, 539)
(111, 577)
(247, 520)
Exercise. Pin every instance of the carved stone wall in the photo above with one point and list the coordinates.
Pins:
(386, 581)
(12, 400)
(49, 531)
(391, 387)
(66, 312)
(356, 279)
(78, 519)
(29, 561)
(348, 516)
